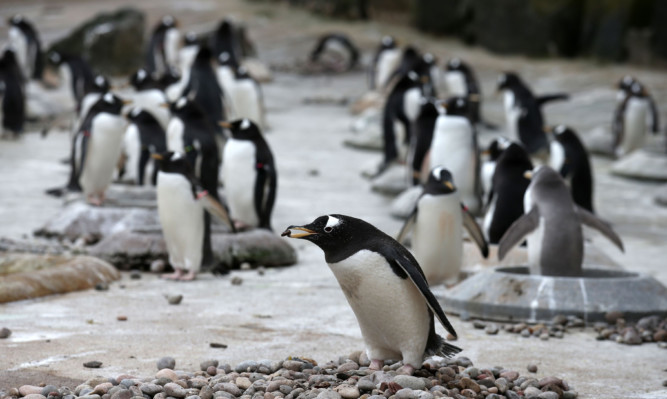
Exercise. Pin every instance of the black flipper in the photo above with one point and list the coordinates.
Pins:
(617, 125)
(541, 100)
(76, 166)
(655, 119)
(265, 194)
(475, 231)
(514, 235)
(600, 225)
(407, 226)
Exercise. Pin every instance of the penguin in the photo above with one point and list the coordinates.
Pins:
(75, 72)
(508, 186)
(96, 147)
(570, 158)
(385, 287)
(629, 123)
(523, 112)
(552, 225)
(249, 175)
(179, 77)
(454, 146)
(152, 139)
(99, 87)
(493, 151)
(225, 39)
(24, 38)
(148, 96)
(336, 52)
(424, 127)
(13, 96)
(386, 60)
(162, 50)
(461, 81)
(203, 89)
(226, 72)
(246, 97)
(437, 221)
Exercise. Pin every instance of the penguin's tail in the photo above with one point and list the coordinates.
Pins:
(437, 346)
(448, 350)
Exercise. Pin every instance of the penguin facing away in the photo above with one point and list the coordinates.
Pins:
(162, 50)
(150, 139)
(508, 187)
(13, 97)
(385, 287)
(629, 123)
(492, 152)
(552, 226)
(96, 147)
(249, 175)
(75, 72)
(569, 157)
(246, 95)
(437, 221)
(203, 89)
(24, 38)
(225, 39)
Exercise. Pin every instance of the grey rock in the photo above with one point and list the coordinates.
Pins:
(50, 389)
(532, 368)
(204, 365)
(174, 390)
(175, 300)
(548, 395)
(348, 391)
(166, 362)
(93, 364)
(512, 395)
(206, 392)
(531, 392)
(406, 393)
(121, 394)
(502, 384)
(365, 384)
(491, 329)
(151, 389)
(248, 365)
(230, 388)
(575, 394)
(328, 394)
(5, 333)
(408, 381)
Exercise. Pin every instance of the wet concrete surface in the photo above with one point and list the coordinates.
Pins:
(300, 310)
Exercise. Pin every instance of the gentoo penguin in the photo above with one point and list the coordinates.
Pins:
(13, 96)
(99, 87)
(629, 124)
(148, 96)
(462, 82)
(151, 139)
(386, 60)
(96, 147)
(492, 152)
(508, 186)
(437, 221)
(454, 146)
(523, 112)
(203, 89)
(162, 51)
(552, 225)
(569, 157)
(186, 56)
(385, 287)
(24, 39)
(75, 72)
(421, 143)
(246, 96)
(249, 175)
(225, 39)
(336, 52)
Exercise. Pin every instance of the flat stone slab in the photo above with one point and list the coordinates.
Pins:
(642, 165)
(404, 203)
(511, 294)
(26, 276)
(392, 181)
(661, 196)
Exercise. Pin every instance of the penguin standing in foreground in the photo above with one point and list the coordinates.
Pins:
(162, 51)
(96, 147)
(24, 38)
(454, 146)
(508, 186)
(336, 52)
(203, 89)
(569, 157)
(437, 220)
(13, 94)
(181, 203)
(151, 139)
(386, 60)
(249, 175)
(462, 82)
(523, 112)
(385, 287)
(552, 225)
(629, 124)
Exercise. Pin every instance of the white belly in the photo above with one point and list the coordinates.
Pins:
(556, 156)
(411, 103)
(488, 217)
(239, 176)
(171, 41)
(534, 242)
(456, 83)
(104, 148)
(20, 45)
(182, 221)
(175, 130)
(387, 63)
(247, 101)
(512, 114)
(391, 313)
(634, 126)
(150, 101)
(438, 238)
(132, 151)
(487, 171)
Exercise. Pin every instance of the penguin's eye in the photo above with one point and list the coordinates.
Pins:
(328, 229)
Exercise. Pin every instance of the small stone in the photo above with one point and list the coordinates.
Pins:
(406, 393)
(121, 394)
(245, 266)
(236, 280)
(166, 362)
(174, 299)
(612, 316)
(243, 382)
(532, 368)
(631, 337)
(34, 396)
(408, 381)
(212, 370)
(473, 372)
(525, 333)
(261, 270)
(365, 384)
(93, 364)
(102, 286)
(50, 390)
(207, 363)
(175, 390)
(512, 395)
(544, 336)
(349, 366)
(217, 345)
(491, 329)
(328, 394)
(167, 373)
(230, 388)
(570, 394)
(121, 318)
(478, 324)
(102, 388)
(502, 384)
(664, 383)
(249, 366)
(550, 380)
(158, 266)
(662, 345)
(548, 395)
(151, 389)
(510, 375)
(348, 391)
(5, 333)
(531, 392)
(293, 365)
(135, 274)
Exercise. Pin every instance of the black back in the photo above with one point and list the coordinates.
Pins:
(13, 98)
(508, 186)
(82, 74)
(225, 39)
(577, 167)
(203, 89)
(394, 110)
(155, 58)
(34, 45)
(152, 137)
(424, 127)
(143, 80)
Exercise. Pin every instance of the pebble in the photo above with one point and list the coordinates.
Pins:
(26, 390)
(218, 345)
(174, 390)
(166, 362)
(532, 368)
(34, 396)
(406, 393)
(203, 366)
(212, 370)
(168, 374)
(348, 391)
(135, 274)
(408, 381)
(236, 280)
(121, 318)
(158, 266)
(102, 286)
(151, 389)
(509, 375)
(174, 299)
(491, 329)
(243, 382)
(5, 333)
(50, 389)
(478, 324)
(328, 395)
(122, 394)
(531, 392)
(93, 364)
(548, 395)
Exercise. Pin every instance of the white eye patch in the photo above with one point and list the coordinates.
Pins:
(176, 156)
(559, 129)
(332, 222)
(181, 102)
(99, 80)
(108, 98)
(141, 74)
(245, 124)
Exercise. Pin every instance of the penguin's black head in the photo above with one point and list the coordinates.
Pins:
(497, 147)
(55, 58)
(110, 104)
(20, 22)
(140, 116)
(333, 233)
(184, 108)
(203, 57)
(142, 80)
(459, 106)
(191, 39)
(562, 133)
(428, 107)
(508, 80)
(173, 162)
(100, 84)
(243, 129)
(241, 73)
(387, 42)
(516, 154)
(168, 21)
(456, 64)
(169, 78)
(626, 83)
(440, 181)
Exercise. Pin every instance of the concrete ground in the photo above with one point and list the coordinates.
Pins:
(300, 310)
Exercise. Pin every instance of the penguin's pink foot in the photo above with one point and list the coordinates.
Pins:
(176, 275)
(376, 364)
(407, 369)
(189, 276)
(95, 200)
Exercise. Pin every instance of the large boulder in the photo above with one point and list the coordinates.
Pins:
(113, 43)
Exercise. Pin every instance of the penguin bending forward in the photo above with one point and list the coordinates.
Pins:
(385, 287)
(437, 218)
(552, 226)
